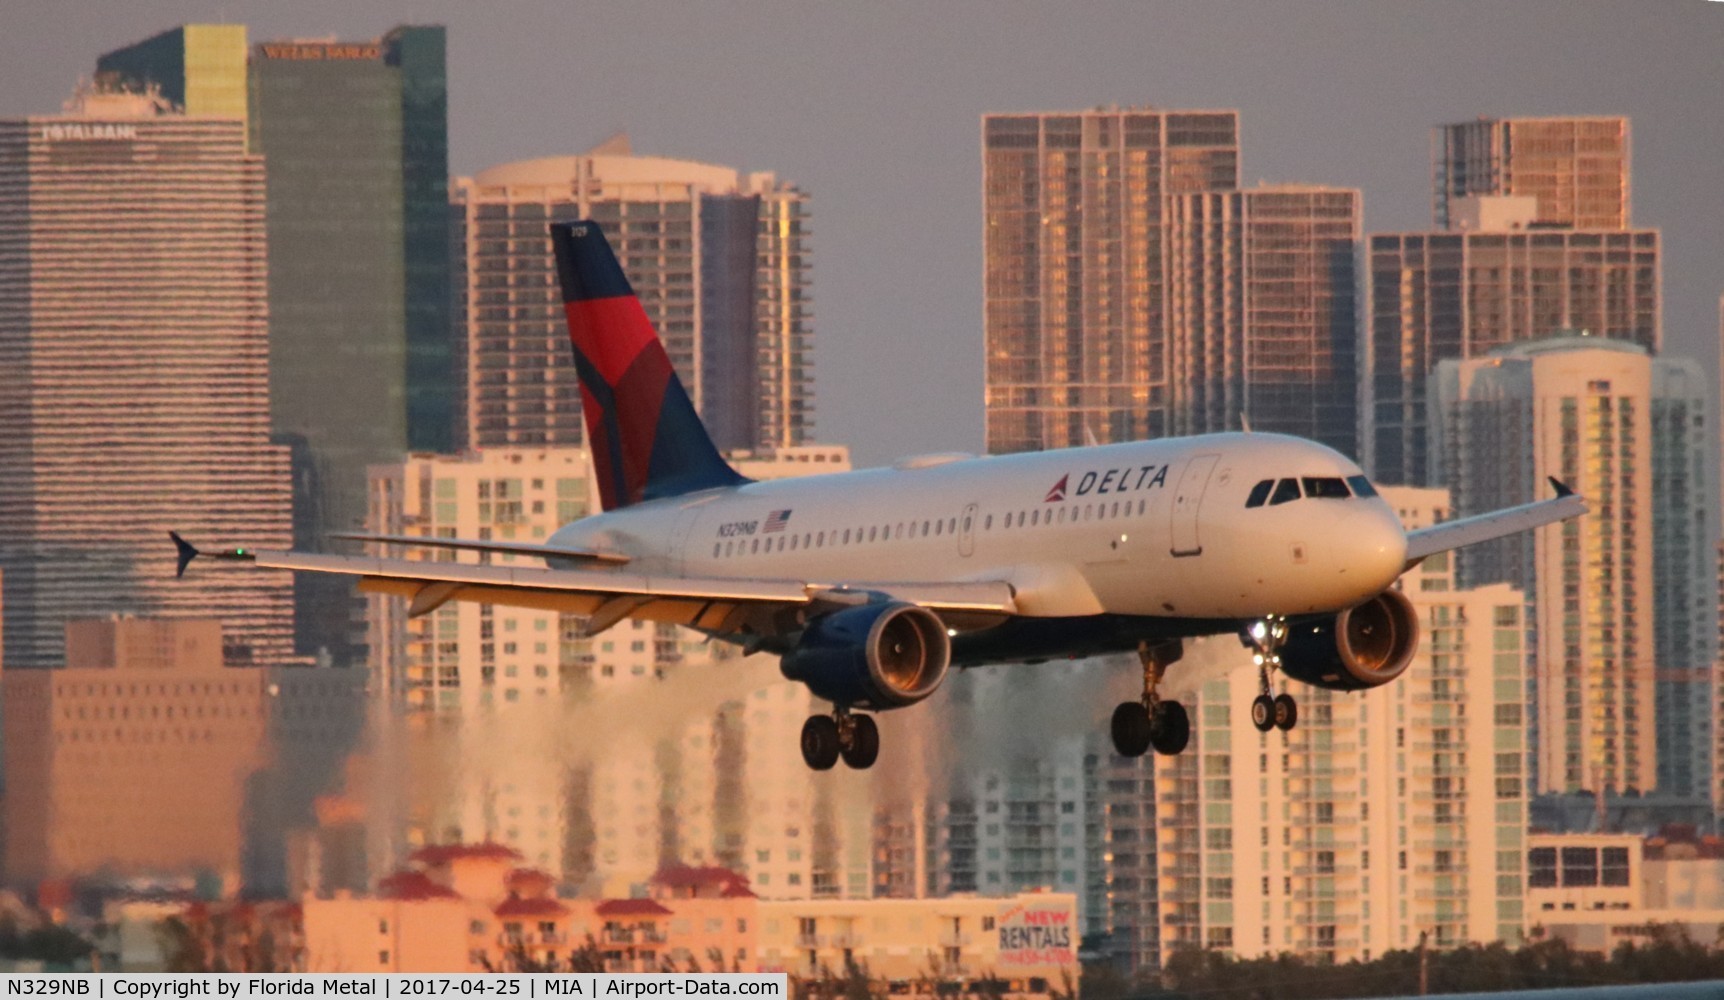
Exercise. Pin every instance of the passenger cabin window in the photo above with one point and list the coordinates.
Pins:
(1260, 493)
(1286, 491)
(1361, 486)
(1326, 487)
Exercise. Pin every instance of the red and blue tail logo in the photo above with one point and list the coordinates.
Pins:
(646, 439)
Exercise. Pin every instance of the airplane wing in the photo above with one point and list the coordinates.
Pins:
(463, 544)
(1496, 524)
(758, 607)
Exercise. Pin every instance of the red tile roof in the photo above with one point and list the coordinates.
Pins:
(516, 907)
(631, 908)
(529, 876)
(412, 886)
(729, 884)
(442, 854)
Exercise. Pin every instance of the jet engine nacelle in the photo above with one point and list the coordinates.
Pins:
(1362, 647)
(879, 656)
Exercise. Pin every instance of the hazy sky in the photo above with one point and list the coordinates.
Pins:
(874, 108)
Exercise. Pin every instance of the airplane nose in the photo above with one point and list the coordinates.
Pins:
(1376, 545)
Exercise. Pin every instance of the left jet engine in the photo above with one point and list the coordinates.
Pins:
(1360, 648)
(884, 655)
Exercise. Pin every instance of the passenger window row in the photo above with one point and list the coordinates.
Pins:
(1280, 491)
(929, 528)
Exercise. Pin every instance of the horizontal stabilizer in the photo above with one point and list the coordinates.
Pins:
(1496, 524)
(468, 545)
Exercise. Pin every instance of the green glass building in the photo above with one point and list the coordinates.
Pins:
(354, 137)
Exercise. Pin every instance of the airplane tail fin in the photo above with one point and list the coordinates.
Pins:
(646, 439)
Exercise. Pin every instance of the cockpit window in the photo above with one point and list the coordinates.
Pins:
(1286, 490)
(1361, 486)
(1326, 487)
(1259, 493)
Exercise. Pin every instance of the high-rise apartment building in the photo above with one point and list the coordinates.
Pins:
(1579, 409)
(1261, 312)
(1385, 815)
(720, 260)
(146, 755)
(1075, 281)
(134, 375)
(1576, 168)
(1684, 441)
(1458, 294)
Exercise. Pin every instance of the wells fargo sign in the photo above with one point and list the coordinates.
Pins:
(314, 51)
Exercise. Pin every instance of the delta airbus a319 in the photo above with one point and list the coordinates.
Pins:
(872, 585)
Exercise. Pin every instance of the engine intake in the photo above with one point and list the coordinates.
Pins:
(1363, 647)
(878, 656)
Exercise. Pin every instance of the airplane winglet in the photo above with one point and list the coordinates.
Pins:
(187, 552)
(1562, 488)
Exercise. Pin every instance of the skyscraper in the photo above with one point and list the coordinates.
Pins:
(1579, 409)
(199, 68)
(1684, 440)
(133, 375)
(1261, 312)
(720, 260)
(1075, 286)
(1575, 168)
(355, 141)
(1458, 294)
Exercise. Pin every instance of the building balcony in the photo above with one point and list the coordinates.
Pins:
(1321, 770)
(955, 939)
(1343, 871)
(810, 940)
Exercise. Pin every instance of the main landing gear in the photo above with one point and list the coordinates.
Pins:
(825, 738)
(1149, 721)
(1270, 711)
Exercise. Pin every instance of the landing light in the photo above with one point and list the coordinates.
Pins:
(1258, 631)
(951, 633)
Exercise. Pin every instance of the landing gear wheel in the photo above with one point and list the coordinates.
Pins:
(863, 747)
(1132, 732)
(1286, 712)
(820, 742)
(1262, 713)
(1172, 728)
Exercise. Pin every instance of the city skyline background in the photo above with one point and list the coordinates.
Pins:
(876, 113)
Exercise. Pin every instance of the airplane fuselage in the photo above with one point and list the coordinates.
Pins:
(1150, 530)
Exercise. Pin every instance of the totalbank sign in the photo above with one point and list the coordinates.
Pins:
(1037, 934)
(76, 131)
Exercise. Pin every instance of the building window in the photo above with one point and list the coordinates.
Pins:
(1580, 866)
(1615, 867)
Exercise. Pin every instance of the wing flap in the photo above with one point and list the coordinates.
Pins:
(712, 603)
(471, 545)
(1495, 524)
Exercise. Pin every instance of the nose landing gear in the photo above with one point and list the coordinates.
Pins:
(1150, 722)
(826, 738)
(1269, 710)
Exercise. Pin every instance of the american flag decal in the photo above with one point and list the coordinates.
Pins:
(775, 521)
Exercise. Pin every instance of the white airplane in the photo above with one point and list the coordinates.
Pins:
(872, 585)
